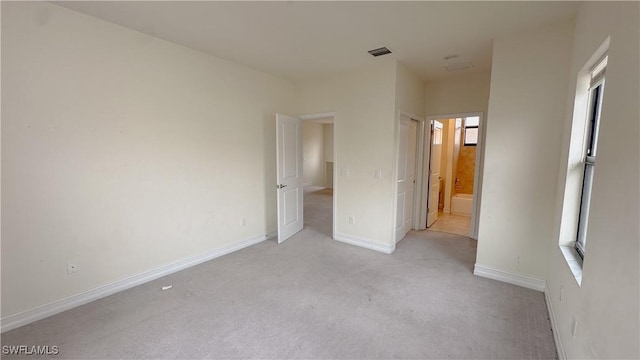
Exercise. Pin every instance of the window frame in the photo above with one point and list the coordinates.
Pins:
(464, 135)
(596, 94)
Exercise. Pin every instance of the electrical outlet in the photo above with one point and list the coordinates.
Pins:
(244, 222)
(378, 174)
(344, 172)
(518, 262)
(561, 292)
(72, 268)
(352, 220)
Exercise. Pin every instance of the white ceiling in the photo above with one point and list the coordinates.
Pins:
(308, 40)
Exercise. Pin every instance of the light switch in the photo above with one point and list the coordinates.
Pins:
(378, 174)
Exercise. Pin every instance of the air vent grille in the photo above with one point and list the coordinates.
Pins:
(380, 51)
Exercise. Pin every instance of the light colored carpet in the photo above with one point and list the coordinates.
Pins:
(312, 297)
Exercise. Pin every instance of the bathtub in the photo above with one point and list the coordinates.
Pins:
(461, 204)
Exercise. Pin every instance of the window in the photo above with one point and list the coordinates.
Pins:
(471, 130)
(596, 91)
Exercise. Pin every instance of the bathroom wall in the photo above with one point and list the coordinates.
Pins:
(465, 170)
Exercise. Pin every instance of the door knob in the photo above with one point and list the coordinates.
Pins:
(281, 186)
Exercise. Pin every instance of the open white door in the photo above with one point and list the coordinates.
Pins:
(289, 185)
(407, 141)
(434, 172)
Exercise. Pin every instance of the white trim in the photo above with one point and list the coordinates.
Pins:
(23, 318)
(415, 221)
(367, 244)
(334, 187)
(510, 278)
(454, 115)
(423, 191)
(477, 177)
(410, 115)
(562, 355)
(479, 167)
(317, 116)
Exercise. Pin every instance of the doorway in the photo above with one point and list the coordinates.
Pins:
(453, 170)
(292, 175)
(317, 165)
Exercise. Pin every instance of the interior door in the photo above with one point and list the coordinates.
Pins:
(289, 179)
(406, 172)
(434, 171)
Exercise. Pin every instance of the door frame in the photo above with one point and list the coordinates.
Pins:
(418, 171)
(334, 115)
(430, 129)
(478, 171)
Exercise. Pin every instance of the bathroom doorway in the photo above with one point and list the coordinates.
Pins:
(454, 155)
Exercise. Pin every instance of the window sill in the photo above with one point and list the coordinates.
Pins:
(574, 261)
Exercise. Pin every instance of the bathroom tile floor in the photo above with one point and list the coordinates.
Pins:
(454, 224)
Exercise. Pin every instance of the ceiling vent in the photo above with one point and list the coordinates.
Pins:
(461, 65)
(380, 51)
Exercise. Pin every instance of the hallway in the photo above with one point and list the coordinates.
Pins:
(318, 209)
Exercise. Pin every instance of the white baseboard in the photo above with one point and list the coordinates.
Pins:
(23, 318)
(562, 355)
(368, 244)
(511, 278)
(271, 234)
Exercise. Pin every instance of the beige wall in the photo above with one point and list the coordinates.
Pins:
(122, 152)
(364, 102)
(328, 154)
(606, 306)
(521, 149)
(327, 130)
(409, 91)
(465, 170)
(313, 153)
(456, 95)
(115, 158)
